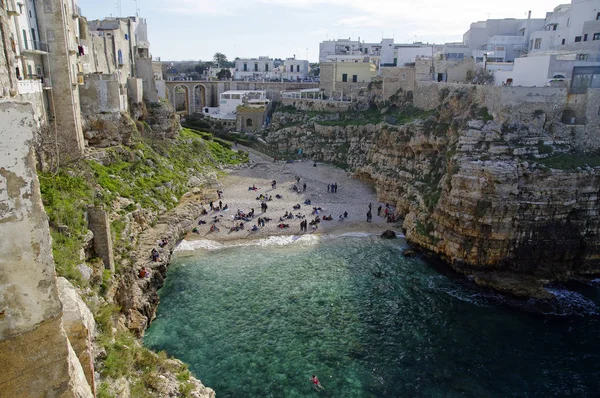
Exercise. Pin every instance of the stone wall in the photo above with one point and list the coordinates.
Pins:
(317, 105)
(8, 79)
(36, 358)
(100, 226)
(135, 90)
(249, 119)
(395, 79)
(100, 94)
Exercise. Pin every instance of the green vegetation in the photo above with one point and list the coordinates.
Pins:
(126, 357)
(151, 174)
(571, 161)
(544, 149)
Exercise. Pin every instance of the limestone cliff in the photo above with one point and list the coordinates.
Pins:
(506, 198)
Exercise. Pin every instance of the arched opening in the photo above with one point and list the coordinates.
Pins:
(180, 99)
(248, 122)
(569, 116)
(199, 98)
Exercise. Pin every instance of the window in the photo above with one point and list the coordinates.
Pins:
(577, 39)
(245, 67)
(500, 48)
(344, 77)
(30, 15)
(126, 36)
(29, 71)
(266, 67)
(291, 68)
(354, 78)
(297, 68)
(598, 17)
(563, 41)
(33, 41)
(596, 36)
(25, 39)
(582, 57)
(255, 67)
(537, 44)
(554, 27)
(585, 37)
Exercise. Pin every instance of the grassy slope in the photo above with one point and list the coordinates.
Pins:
(153, 175)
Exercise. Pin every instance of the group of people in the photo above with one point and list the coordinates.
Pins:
(332, 188)
(220, 207)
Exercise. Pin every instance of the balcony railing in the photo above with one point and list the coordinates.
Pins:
(36, 46)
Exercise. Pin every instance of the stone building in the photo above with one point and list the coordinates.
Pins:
(59, 27)
(341, 79)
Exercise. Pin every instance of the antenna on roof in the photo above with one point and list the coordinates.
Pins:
(118, 4)
(137, 10)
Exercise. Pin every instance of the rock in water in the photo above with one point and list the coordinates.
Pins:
(388, 234)
(409, 253)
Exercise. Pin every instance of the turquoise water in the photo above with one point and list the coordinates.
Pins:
(259, 320)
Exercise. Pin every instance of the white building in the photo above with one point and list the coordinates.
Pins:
(230, 100)
(383, 54)
(295, 69)
(255, 69)
(569, 27)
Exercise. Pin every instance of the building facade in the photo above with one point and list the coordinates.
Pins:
(295, 69)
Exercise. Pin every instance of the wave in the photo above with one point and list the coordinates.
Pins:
(282, 240)
(569, 302)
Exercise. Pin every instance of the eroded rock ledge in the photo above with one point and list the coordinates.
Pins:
(494, 197)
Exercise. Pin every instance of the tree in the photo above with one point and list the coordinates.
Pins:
(480, 76)
(220, 59)
(224, 74)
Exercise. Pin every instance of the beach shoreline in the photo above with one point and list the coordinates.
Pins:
(353, 197)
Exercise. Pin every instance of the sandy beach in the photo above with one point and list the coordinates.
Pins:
(353, 196)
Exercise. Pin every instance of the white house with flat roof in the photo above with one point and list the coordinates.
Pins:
(295, 69)
(230, 100)
(255, 69)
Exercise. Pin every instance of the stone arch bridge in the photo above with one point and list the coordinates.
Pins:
(189, 97)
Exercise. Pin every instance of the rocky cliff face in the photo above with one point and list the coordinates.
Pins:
(504, 198)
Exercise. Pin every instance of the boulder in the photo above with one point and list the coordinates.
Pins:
(388, 234)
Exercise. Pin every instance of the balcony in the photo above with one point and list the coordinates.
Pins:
(36, 47)
(29, 86)
(11, 8)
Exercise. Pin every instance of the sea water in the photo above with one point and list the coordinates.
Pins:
(257, 319)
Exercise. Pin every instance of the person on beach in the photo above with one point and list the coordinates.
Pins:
(211, 206)
(328, 187)
(304, 187)
(345, 214)
(316, 383)
(297, 180)
(369, 216)
(220, 205)
(274, 184)
(143, 273)
(379, 211)
(370, 206)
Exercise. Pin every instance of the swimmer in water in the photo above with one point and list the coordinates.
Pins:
(316, 383)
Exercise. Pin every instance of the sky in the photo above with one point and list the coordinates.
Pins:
(197, 29)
